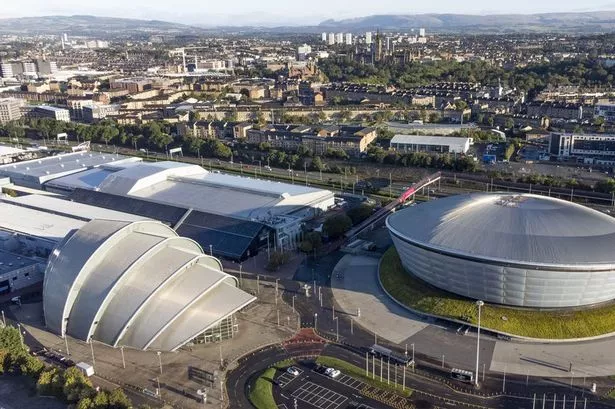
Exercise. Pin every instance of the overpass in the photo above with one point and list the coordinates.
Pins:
(383, 212)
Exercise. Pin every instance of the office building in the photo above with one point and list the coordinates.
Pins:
(46, 111)
(436, 144)
(598, 149)
(10, 109)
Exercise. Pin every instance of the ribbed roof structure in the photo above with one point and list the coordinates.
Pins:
(136, 284)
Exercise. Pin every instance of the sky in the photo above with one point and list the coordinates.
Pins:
(284, 12)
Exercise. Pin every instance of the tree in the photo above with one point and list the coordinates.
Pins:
(50, 382)
(335, 226)
(119, 400)
(317, 164)
(510, 150)
(76, 385)
(312, 241)
(509, 124)
(359, 213)
(276, 260)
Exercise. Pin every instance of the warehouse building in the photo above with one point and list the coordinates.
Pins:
(34, 173)
(231, 216)
(436, 144)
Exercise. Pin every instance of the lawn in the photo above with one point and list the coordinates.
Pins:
(359, 373)
(261, 394)
(562, 324)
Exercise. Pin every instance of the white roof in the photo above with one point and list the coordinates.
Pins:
(430, 140)
(70, 209)
(35, 222)
(51, 167)
(191, 186)
(9, 150)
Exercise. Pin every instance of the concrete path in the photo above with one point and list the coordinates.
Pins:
(354, 284)
(358, 287)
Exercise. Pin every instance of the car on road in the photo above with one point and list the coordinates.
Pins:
(293, 371)
(332, 372)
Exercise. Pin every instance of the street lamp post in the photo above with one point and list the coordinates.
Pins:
(337, 329)
(479, 303)
(3, 318)
(211, 250)
(315, 321)
(159, 361)
(92, 350)
(123, 360)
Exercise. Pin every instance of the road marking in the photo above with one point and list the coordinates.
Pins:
(319, 396)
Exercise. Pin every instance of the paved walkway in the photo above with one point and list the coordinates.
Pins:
(354, 285)
(358, 287)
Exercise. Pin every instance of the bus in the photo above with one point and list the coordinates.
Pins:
(462, 375)
(382, 352)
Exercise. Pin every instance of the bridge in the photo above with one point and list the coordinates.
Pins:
(383, 212)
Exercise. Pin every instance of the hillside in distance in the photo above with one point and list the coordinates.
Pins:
(599, 21)
(89, 25)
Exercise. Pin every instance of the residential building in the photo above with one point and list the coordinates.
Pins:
(324, 37)
(437, 144)
(38, 87)
(133, 85)
(303, 52)
(555, 110)
(351, 139)
(339, 38)
(368, 37)
(10, 109)
(348, 38)
(606, 111)
(46, 111)
(93, 113)
(331, 38)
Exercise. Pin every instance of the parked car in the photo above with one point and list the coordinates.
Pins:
(332, 372)
(293, 371)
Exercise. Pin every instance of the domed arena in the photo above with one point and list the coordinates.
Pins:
(513, 249)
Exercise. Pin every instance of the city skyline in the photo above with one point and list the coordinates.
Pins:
(269, 13)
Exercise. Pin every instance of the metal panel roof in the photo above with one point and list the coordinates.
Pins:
(510, 228)
(429, 140)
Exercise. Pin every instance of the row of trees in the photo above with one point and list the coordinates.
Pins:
(531, 78)
(69, 385)
(460, 163)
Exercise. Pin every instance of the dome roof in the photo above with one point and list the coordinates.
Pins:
(510, 228)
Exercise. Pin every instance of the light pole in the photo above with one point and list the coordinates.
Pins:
(315, 321)
(92, 349)
(159, 361)
(211, 250)
(294, 303)
(20, 337)
(240, 275)
(123, 360)
(479, 303)
(337, 329)
(3, 318)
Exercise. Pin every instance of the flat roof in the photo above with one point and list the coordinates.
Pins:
(11, 261)
(62, 207)
(52, 167)
(430, 140)
(30, 222)
(9, 150)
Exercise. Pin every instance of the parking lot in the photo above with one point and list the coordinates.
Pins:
(319, 397)
(286, 378)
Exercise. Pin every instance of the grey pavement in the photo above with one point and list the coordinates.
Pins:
(357, 288)
(354, 285)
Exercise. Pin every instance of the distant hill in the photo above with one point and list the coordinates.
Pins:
(590, 22)
(599, 21)
(89, 25)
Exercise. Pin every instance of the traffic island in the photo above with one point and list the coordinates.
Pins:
(421, 297)
(261, 394)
